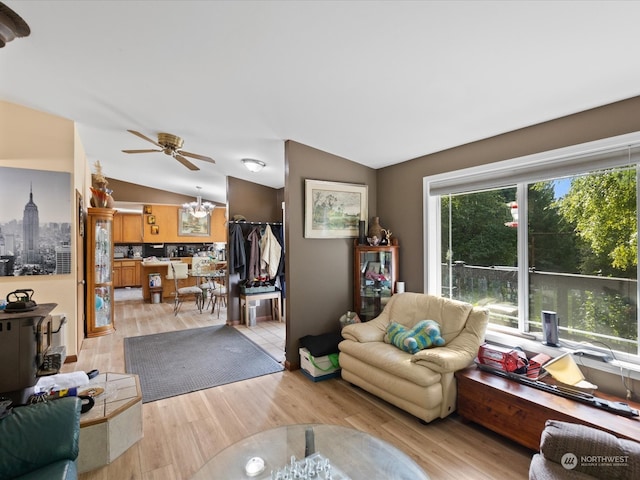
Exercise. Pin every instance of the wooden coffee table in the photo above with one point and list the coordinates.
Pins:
(519, 412)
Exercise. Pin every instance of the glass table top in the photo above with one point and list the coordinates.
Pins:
(311, 451)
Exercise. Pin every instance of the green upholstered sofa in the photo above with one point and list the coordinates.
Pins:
(41, 441)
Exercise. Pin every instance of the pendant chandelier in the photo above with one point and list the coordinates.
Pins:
(198, 209)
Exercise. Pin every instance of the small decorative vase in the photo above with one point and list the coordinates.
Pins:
(101, 197)
(375, 230)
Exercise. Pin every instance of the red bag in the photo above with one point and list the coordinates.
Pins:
(502, 358)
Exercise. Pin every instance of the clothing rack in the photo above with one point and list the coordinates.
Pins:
(253, 223)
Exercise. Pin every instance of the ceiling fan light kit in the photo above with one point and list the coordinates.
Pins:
(198, 209)
(253, 165)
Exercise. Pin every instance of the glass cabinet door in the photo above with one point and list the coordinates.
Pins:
(100, 272)
(375, 277)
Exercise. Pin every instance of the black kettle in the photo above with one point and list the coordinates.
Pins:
(20, 301)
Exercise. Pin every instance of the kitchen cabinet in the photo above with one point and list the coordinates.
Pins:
(127, 228)
(117, 276)
(375, 272)
(99, 251)
(126, 273)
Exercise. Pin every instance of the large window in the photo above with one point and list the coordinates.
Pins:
(551, 232)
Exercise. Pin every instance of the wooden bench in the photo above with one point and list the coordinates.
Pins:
(519, 412)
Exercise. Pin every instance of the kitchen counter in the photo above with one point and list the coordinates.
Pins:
(160, 267)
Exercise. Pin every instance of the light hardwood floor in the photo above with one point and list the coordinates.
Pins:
(182, 433)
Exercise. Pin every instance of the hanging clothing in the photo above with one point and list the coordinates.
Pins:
(237, 257)
(254, 256)
(271, 252)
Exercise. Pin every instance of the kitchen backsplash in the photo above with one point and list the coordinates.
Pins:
(122, 251)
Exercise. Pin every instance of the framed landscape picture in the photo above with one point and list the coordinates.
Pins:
(190, 226)
(333, 209)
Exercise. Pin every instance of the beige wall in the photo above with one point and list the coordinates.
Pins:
(319, 278)
(35, 140)
(400, 204)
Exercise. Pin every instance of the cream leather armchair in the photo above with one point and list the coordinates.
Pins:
(422, 384)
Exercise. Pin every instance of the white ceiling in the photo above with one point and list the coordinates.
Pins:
(375, 82)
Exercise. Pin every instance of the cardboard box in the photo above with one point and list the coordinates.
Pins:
(317, 368)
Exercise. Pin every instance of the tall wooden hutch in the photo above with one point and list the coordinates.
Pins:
(99, 272)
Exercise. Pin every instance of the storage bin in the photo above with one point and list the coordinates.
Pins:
(262, 289)
(317, 368)
(156, 295)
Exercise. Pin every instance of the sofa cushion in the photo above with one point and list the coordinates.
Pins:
(590, 451)
(541, 469)
(410, 308)
(60, 470)
(37, 436)
(390, 359)
(424, 334)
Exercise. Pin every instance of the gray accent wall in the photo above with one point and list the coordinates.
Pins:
(319, 271)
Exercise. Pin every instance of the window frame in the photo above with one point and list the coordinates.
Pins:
(575, 159)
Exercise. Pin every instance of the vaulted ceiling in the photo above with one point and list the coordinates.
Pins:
(376, 82)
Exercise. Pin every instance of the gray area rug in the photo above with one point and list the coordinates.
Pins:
(175, 363)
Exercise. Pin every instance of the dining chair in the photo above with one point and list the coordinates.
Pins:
(179, 271)
(218, 292)
(200, 267)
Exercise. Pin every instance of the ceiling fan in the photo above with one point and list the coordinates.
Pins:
(171, 145)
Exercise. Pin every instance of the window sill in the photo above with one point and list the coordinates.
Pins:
(617, 367)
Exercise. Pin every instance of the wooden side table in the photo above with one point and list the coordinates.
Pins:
(519, 412)
(276, 303)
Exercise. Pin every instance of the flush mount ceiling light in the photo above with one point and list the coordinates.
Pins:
(198, 209)
(253, 165)
(11, 25)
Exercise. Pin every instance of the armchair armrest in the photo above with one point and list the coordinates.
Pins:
(372, 331)
(37, 435)
(443, 359)
(459, 352)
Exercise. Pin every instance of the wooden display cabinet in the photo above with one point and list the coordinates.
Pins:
(375, 272)
(99, 265)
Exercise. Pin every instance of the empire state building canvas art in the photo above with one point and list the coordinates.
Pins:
(35, 222)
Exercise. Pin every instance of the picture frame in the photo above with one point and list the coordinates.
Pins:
(81, 215)
(155, 229)
(45, 201)
(334, 209)
(147, 210)
(190, 226)
(151, 219)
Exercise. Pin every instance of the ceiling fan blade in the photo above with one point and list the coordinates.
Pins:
(185, 162)
(196, 156)
(141, 151)
(144, 137)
